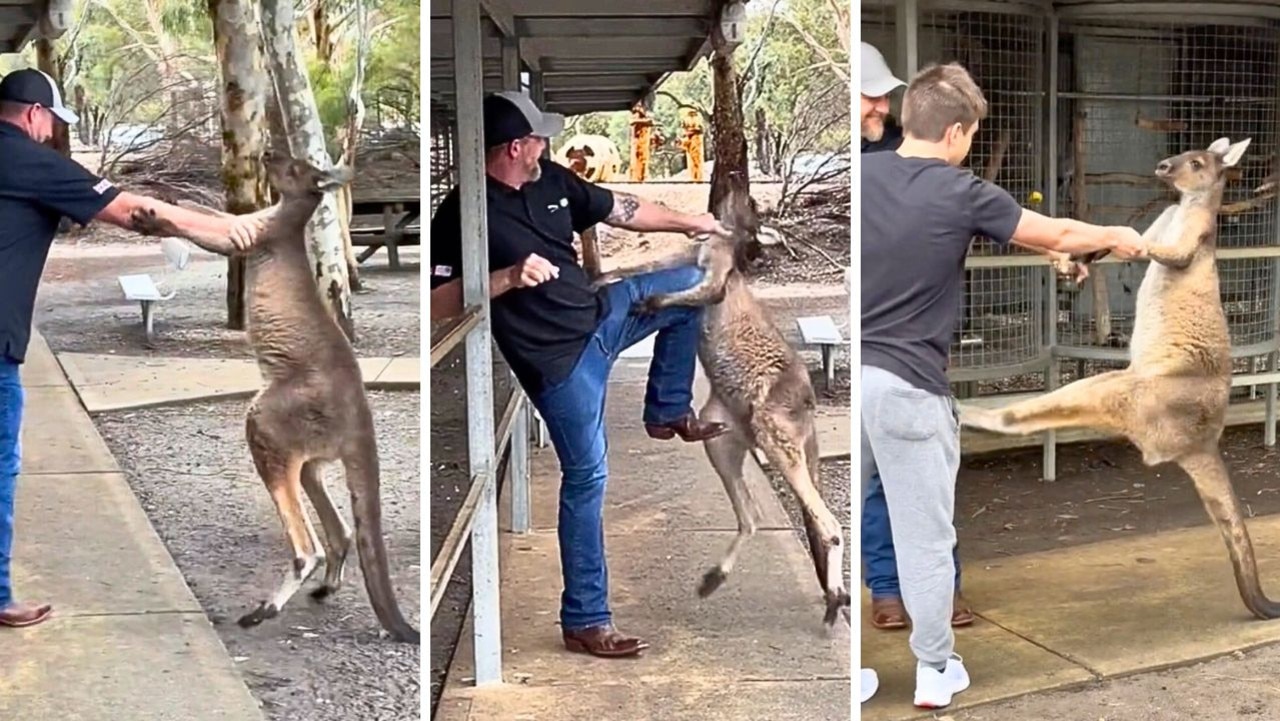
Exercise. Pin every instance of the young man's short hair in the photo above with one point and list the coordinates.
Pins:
(937, 98)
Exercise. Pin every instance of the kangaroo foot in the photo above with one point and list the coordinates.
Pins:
(333, 574)
(837, 598)
(711, 580)
(986, 419)
(299, 571)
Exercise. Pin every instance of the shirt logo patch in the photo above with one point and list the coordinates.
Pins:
(103, 186)
(553, 207)
(443, 271)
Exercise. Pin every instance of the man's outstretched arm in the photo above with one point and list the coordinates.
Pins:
(642, 216)
(221, 234)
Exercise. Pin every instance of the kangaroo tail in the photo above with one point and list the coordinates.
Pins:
(363, 482)
(1214, 486)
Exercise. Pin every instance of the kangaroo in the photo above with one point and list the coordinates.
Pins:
(313, 408)
(1171, 401)
(760, 389)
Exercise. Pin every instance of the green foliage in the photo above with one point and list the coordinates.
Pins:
(116, 71)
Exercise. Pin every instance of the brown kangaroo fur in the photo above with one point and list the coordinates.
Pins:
(313, 408)
(760, 389)
(1171, 402)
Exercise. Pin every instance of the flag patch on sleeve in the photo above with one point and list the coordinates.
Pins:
(103, 186)
(443, 271)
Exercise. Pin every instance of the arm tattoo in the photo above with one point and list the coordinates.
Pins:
(624, 209)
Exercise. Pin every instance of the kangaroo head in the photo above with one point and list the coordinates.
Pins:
(1201, 171)
(298, 179)
(740, 215)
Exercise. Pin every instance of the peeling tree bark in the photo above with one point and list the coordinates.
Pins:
(236, 39)
(306, 140)
(730, 171)
(349, 138)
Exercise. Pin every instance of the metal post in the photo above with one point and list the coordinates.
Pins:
(510, 64)
(521, 498)
(538, 97)
(907, 13)
(469, 89)
(1049, 462)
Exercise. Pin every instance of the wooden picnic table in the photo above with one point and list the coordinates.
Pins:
(399, 211)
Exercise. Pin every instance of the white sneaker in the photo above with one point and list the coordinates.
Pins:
(870, 683)
(934, 689)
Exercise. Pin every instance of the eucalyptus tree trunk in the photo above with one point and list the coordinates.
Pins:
(48, 62)
(349, 138)
(730, 142)
(243, 115)
(306, 140)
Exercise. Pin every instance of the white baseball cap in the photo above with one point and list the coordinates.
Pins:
(877, 79)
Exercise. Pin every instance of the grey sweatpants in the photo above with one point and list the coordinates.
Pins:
(912, 437)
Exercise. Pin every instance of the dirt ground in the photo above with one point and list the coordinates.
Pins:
(81, 309)
(787, 293)
(190, 469)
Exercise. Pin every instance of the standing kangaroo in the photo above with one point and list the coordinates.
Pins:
(1171, 402)
(760, 389)
(313, 408)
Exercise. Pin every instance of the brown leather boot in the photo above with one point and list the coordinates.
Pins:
(604, 641)
(888, 613)
(688, 428)
(17, 615)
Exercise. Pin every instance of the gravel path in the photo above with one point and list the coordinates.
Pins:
(317, 661)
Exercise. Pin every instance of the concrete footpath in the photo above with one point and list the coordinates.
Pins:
(755, 649)
(128, 640)
(1073, 616)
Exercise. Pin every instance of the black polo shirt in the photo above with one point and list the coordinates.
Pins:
(891, 139)
(542, 330)
(38, 187)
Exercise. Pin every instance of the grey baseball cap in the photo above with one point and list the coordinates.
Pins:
(33, 87)
(877, 79)
(511, 115)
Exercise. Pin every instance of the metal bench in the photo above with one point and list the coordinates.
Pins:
(144, 290)
(821, 330)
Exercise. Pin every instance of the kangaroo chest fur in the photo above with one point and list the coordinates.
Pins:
(740, 351)
(1179, 319)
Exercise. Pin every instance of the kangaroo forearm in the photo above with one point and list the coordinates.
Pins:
(1180, 254)
(709, 291)
(652, 266)
(147, 216)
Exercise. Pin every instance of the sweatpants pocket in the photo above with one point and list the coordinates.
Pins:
(908, 414)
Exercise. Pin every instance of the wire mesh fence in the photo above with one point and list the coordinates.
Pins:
(1132, 90)
(443, 166)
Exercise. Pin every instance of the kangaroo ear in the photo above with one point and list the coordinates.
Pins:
(1233, 154)
(1219, 146)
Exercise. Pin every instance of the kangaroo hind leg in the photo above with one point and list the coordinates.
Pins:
(786, 442)
(727, 453)
(337, 535)
(284, 484)
(1214, 486)
(1101, 402)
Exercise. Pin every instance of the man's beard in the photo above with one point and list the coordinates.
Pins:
(873, 128)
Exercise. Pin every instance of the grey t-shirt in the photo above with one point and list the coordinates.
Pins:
(918, 219)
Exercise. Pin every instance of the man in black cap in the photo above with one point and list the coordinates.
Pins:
(39, 187)
(560, 336)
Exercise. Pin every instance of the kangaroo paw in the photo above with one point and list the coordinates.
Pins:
(648, 306)
(322, 592)
(711, 581)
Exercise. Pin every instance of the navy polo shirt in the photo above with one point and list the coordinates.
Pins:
(38, 187)
(891, 139)
(542, 330)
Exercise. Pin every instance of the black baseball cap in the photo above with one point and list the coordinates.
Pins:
(511, 115)
(33, 87)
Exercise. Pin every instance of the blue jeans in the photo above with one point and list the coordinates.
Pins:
(878, 559)
(573, 410)
(11, 398)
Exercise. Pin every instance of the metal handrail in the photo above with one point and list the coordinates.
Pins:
(455, 333)
(451, 548)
